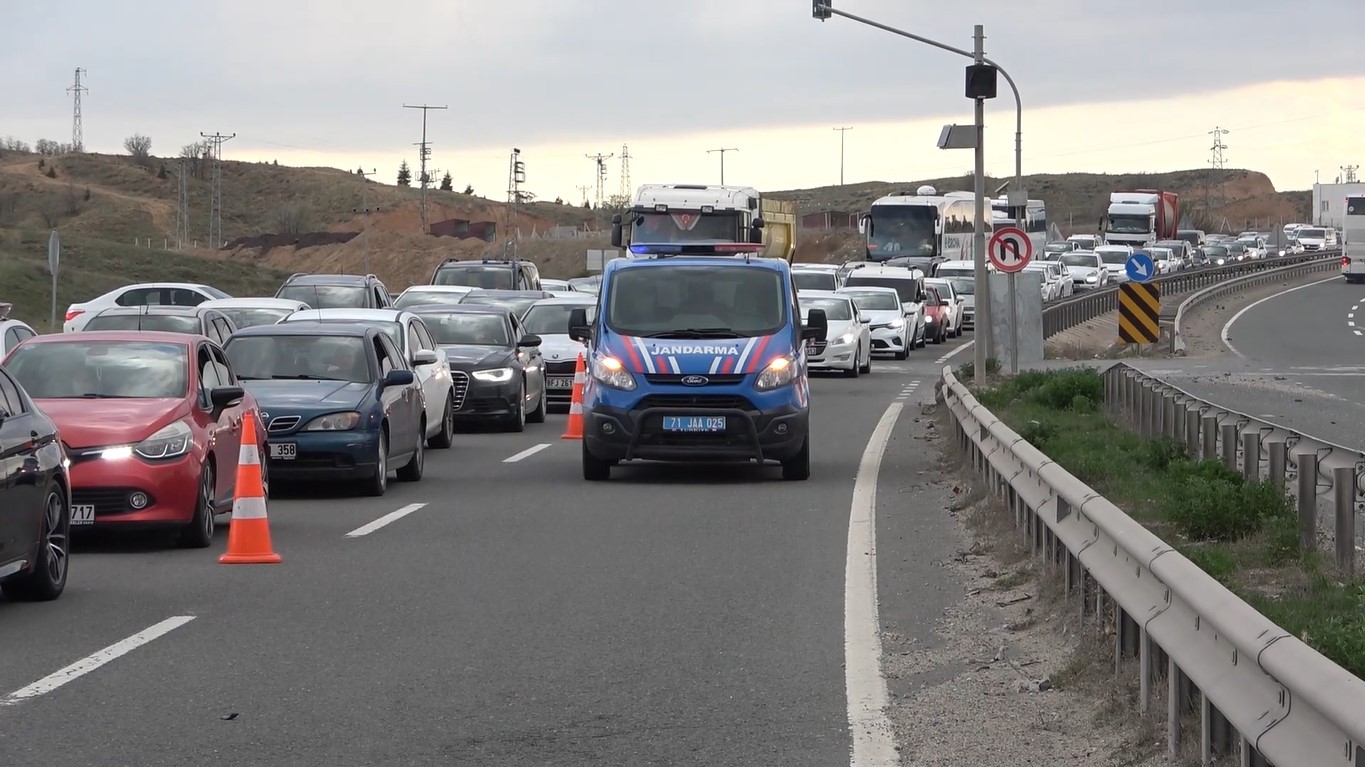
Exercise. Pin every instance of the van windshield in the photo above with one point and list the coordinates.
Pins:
(908, 290)
(696, 301)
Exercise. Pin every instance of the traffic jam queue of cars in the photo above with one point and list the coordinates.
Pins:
(133, 417)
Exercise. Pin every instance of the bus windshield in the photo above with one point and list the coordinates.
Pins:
(901, 230)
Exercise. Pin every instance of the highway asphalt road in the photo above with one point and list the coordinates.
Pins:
(512, 615)
(1297, 358)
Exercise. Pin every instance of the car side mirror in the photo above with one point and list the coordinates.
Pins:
(529, 341)
(817, 325)
(579, 329)
(616, 230)
(866, 321)
(224, 397)
(399, 378)
(424, 357)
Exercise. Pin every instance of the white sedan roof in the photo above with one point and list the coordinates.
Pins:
(255, 303)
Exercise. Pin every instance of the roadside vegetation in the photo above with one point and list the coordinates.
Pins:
(1242, 533)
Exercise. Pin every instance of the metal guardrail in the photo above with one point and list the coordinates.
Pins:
(1283, 702)
(1083, 307)
(1321, 261)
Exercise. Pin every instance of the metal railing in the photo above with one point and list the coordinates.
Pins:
(1282, 702)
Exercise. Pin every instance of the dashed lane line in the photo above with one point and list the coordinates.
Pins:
(93, 661)
(944, 359)
(527, 453)
(387, 519)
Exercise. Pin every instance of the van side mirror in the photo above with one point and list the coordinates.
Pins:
(816, 327)
(579, 329)
(616, 230)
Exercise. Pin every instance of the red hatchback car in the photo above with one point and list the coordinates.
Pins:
(152, 423)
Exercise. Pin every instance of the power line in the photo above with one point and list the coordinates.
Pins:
(625, 172)
(601, 161)
(424, 152)
(722, 151)
(842, 132)
(77, 132)
(216, 207)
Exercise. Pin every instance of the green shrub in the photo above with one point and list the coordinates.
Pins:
(1038, 433)
(1220, 564)
(1206, 501)
(1328, 616)
(1159, 454)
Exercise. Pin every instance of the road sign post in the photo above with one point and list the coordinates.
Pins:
(54, 258)
(1139, 313)
(1010, 250)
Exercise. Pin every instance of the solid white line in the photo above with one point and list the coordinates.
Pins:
(1227, 329)
(953, 353)
(93, 661)
(389, 518)
(1357, 332)
(527, 453)
(874, 742)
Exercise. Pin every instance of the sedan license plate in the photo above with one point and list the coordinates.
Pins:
(83, 514)
(284, 451)
(694, 423)
(560, 383)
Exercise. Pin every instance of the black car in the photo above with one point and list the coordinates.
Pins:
(495, 365)
(489, 274)
(516, 301)
(35, 499)
(193, 320)
(336, 291)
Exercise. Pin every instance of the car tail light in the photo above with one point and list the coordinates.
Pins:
(71, 315)
(1345, 260)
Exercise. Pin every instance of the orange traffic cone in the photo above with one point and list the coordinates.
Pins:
(574, 429)
(249, 536)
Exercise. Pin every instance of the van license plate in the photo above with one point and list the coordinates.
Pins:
(284, 451)
(694, 423)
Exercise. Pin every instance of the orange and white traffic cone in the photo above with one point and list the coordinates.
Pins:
(574, 429)
(249, 536)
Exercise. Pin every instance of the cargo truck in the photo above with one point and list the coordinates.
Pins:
(1141, 217)
(724, 217)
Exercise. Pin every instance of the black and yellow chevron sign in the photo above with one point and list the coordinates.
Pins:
(1139, 313)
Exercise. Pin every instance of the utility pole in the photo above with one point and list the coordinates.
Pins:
(77, 132)
(424, 152)
(516, 176)
(1349, 173)
(216, 207)
(601, 164)
(365, 215)
(722, 151)
(1216, 163)
(583, 190)
(182, 208)
(625, 172)
(842, 132)
(983, 278)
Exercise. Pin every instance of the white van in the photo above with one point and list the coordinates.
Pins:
(1316, 238)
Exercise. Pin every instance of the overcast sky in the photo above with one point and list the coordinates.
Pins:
(328, 77)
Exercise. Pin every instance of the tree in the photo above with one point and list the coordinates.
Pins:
(161, 172)
(47, 147)
(139, 148)
(293, 218)
(559, 201)
(469, 189)
(447, 183)
(196, 157)
(404, 174)
(51, 172)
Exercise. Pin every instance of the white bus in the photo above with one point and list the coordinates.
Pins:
(924, 228)
(1353, 239)
(1034, 220)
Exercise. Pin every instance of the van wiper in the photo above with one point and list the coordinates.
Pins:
(303, 377)
(696, 333)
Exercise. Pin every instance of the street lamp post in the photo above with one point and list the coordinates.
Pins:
(1017, 195)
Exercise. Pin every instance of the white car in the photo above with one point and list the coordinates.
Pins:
(892, 328)
(816, 277)
(12, 332)
(250, 312)
(1164, 259)
(428, 361)
(141, 294)
(1115, 258)
(956, 301)
(1086, 269)
(423, 295)
(1255, 246)
(557, 286)
(549, 319)
(1056, 283)
(848, 344)
(908, 283)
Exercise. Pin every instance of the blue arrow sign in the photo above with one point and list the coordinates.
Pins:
(1140, 267)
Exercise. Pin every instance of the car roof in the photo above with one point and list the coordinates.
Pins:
(328, 279)
(339, 329)
(582, 299)
(360, 315)
(439, 289)
(850, 289)
(154, 336)
(817, 267)
(502, 293)
(822, 294)
(188, 285)
(722, 261)
(161, 310)
(258, 302)
(957, 264)
(890, 272)
(459, 309)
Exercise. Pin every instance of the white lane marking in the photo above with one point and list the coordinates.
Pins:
(1350, 324)
(527, 453)
(1227, 329)
(874, 742)
(93, 661)
(953, 353)
(387, 519)
(1351, 315)
(1357, 332)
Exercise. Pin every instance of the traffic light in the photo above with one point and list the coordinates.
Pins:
(981, 81)
(820, 9)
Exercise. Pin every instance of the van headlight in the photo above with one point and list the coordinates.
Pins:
(611, 372)
(171, 441)
(777, 374)
(334, 422)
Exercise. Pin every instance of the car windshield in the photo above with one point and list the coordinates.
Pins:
(901, 230)
(876, 302)
(170, 323)
(955, 272)
(552, 319)
(1087, 260)
(393, 330)
(944, 288)
(1118, 257)
(468, 329)
(964, 287)
(908, 290)
(1235, 247)
(250, 318)
(517, 306)
(427, 298)
(836, 309)
(77, 369)
(1215, 250)
(586, 284)
(931, 298)
(491, 277)
(328, 296)
(685, 301)
(1058, 247)
(809, 279)
(300, 357)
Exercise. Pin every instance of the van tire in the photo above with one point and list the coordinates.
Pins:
(797, 468)
(595, 469)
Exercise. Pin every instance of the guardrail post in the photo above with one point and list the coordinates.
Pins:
(1177, 702)
(1192, 432)
(1277, 450)
(1344, 487)
(1139, 419)
(1208, 432)
(1228, 444)
(1179, 420)
(1307, 463)
(1158, 412)
(1145, 670)
(1251, 456)
(1172, 419)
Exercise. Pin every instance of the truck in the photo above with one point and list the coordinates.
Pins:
(726, 217)
(1141, 217)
